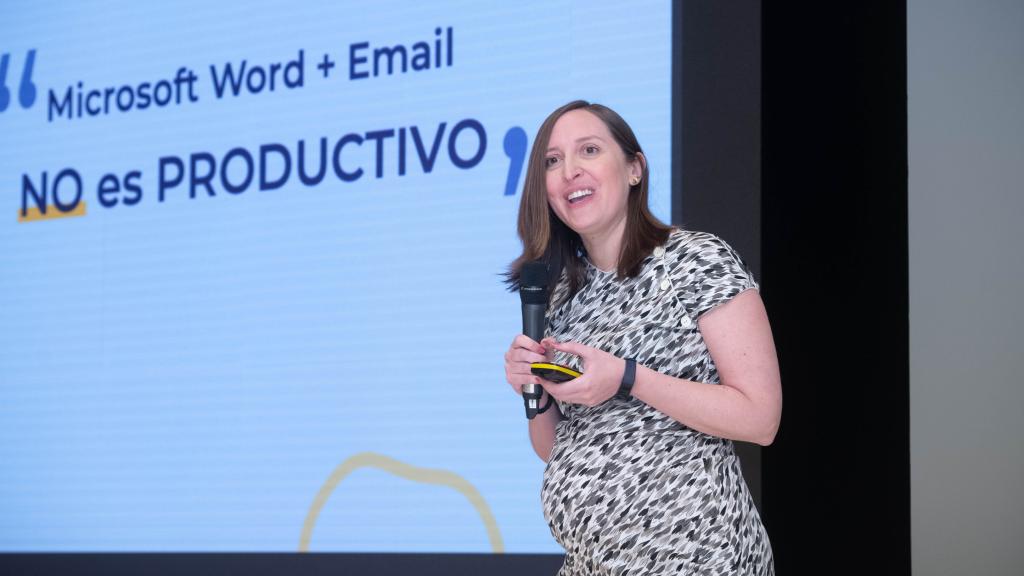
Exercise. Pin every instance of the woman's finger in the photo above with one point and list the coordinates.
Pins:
(548, 342)
(518, 381)
(519, 368)
(575, 391)
(553, 388)
(525, 342)
(575, 348)
(549, 347)
(526, 356)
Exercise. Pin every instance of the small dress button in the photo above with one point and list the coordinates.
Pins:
(659, 251)
(665, 284)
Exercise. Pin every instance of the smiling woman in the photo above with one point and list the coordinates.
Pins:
(588, 180)
(677, 360)
(544, 232)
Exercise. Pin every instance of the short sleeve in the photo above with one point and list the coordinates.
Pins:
(720, 274)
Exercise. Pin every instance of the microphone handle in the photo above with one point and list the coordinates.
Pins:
(533, 327)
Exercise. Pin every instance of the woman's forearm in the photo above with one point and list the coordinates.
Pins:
(719, 410)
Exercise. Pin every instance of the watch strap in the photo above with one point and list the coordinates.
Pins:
(628, 379)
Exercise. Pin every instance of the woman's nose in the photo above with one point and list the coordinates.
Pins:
(570, 170)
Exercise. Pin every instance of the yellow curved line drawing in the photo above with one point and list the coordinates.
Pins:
(409, 472)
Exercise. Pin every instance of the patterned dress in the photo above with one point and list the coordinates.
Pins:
(627, 489)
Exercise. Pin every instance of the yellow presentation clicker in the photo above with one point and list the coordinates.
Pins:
(554, 372)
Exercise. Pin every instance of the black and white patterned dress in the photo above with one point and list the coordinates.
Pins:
(627, 489)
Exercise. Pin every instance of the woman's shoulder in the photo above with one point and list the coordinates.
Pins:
(688, 244)
(709, 269)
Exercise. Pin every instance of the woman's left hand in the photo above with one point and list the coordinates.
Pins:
(602, 375)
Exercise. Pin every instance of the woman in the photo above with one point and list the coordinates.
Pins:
(677, 357)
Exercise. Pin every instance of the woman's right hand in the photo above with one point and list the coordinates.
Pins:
(523, 352)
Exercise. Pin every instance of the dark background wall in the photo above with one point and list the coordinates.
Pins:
(834, 255)
(793, 147)
(717, 149)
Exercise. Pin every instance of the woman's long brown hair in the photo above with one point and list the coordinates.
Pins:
(546, 238)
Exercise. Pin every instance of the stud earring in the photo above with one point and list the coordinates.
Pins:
(634, 180)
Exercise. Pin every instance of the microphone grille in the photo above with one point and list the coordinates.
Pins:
(534, 274)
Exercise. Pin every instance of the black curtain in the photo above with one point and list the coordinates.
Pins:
(834, 259)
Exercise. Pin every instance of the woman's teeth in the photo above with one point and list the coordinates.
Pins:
(575, 196)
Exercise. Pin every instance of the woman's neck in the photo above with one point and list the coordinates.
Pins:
(603, 250)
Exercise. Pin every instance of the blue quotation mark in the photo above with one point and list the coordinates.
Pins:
(26, 89)
(515, 149)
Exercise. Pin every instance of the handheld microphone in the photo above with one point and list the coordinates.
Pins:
(533, 290)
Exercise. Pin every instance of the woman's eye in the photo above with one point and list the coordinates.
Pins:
(591, 149)
(550, 161)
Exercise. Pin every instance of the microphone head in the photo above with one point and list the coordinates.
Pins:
(534, 274)
(533, 283)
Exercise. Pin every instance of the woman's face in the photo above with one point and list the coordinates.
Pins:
(588, 175)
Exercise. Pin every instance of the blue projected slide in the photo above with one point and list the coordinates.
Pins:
(249, 265)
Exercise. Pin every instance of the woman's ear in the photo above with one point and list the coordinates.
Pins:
(637, 165)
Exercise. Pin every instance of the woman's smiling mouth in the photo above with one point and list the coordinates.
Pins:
(579, 195)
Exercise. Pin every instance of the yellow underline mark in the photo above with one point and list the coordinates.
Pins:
(414, 473)
(52, 213)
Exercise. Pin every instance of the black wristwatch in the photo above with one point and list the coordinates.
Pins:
(628, 378)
